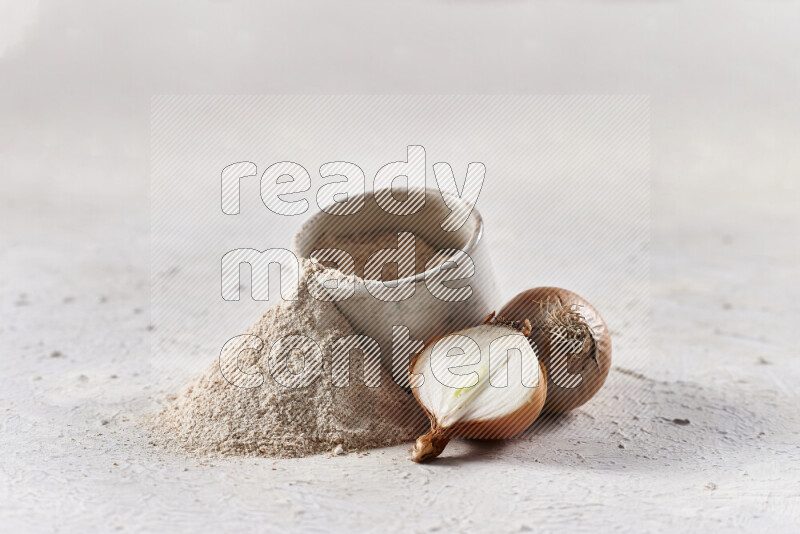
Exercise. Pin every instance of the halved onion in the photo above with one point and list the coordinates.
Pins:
(483, 382)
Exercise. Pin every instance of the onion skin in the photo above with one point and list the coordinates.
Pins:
(593, 364)
(431, 445)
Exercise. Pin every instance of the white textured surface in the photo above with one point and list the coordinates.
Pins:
(725, 263)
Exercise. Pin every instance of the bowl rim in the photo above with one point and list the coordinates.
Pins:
(472, 242)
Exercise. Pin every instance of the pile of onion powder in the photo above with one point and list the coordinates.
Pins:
(210, 415)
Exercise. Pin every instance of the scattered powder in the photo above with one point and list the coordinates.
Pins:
(211, 416)
(361, 246)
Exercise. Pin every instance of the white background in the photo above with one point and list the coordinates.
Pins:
(723, 78)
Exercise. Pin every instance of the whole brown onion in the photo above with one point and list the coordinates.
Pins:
(571, 340)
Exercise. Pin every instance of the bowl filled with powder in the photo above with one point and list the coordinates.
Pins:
(417, 266)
